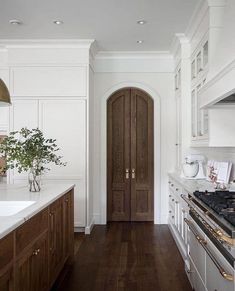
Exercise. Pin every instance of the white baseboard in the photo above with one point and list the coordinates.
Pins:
(97, 218)
(89, 227)
(79, 229)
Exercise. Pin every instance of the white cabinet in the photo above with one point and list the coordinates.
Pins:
(199, 119)
(24, 113)
(196, 253)
(64, 120)
(48, 81)
(177, 213)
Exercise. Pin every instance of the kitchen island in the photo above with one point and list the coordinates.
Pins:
(36, 235)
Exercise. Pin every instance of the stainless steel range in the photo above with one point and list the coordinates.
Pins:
(214, 213)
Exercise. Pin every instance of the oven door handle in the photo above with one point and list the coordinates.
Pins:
(187, 200)
(203, 243)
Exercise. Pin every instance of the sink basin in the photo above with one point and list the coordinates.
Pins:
(9, 208)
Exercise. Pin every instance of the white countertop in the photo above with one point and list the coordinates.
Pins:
(48, 194)
(191, 185)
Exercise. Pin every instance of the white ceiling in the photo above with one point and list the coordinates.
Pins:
(111, 22)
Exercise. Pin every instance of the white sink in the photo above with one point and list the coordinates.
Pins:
(9, 208)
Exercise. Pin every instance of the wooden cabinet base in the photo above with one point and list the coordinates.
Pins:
(33, 255)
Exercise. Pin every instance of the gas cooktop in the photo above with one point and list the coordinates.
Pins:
(222, 202)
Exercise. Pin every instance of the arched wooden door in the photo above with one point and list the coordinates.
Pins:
(130, 170)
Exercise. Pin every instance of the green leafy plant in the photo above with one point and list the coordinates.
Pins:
(29, 150)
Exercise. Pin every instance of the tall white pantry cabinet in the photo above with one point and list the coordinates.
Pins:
(49, 83)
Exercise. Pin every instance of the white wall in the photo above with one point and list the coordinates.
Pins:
(159, 84)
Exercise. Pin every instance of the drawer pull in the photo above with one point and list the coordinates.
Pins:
(203, 243)
(67, 200)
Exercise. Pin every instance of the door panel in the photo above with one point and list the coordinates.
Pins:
(141, 156)
(119, 156)
(130, 156)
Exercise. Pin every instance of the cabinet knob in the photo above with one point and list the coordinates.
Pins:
(169, 196)
(172, 200)
(172, 217)
(172, 185)
(176, 202)
(176, 189)
(170, 211)
(67, 200)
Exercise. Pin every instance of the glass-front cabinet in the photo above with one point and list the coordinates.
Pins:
(199, 117)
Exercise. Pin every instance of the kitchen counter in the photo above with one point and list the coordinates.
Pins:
(191, 185)
(48, 194)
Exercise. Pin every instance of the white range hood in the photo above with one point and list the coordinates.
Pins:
(220, 85)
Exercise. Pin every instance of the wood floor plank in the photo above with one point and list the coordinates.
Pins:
(127, 257)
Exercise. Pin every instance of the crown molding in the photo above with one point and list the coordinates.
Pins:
(109, 55)
(46, 43)
(178, 40)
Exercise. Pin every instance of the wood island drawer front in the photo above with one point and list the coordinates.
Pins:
(6, 250)
(31, 229)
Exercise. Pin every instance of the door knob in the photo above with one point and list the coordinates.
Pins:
(127, 173)
(133, 173)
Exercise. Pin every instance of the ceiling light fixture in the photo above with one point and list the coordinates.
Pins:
(140, 41)
(58, 22)
(15, 22)
(141, 22)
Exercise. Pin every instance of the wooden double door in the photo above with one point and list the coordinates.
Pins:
(130, 156)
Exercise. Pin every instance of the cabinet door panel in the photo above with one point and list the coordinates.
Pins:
(55, 239)
(6, 280)
(197, 253)
(32, 267)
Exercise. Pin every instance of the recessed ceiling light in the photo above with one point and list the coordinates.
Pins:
(141, 22)
(140, 41)
(58, 22)
(15, 22)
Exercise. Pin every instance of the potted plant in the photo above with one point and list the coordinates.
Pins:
(29, 151)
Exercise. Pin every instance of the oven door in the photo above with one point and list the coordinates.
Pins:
(213, 269)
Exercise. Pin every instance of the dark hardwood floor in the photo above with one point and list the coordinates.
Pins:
(127, 257)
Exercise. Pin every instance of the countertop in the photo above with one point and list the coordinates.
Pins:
(48, 194)
(191, 185)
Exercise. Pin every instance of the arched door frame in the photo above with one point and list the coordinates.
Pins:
(157, 148)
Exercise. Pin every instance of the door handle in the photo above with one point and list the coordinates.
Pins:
(127, 173)
(133, 173)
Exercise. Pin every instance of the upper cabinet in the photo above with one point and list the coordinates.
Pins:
(49, 81)
(199, 117)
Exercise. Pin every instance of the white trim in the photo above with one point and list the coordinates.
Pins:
(157, 148)
(107, 55)
(89, 227)
(46, 43)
